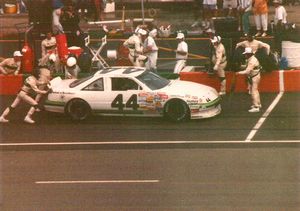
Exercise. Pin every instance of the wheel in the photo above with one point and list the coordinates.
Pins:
(78, 109)
(177, 111)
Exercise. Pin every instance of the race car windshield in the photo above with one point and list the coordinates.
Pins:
(79, 81)
(152, 80)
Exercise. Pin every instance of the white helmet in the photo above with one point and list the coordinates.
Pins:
(216, 39)
(52, 57)
(142, 32)
(71, 62)
(180, 35)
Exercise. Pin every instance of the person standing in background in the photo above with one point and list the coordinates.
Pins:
(99, 7)
(252, 71)
(220, 62)
(56, 14)
(245, 10)
(151, 51)
(260, 11)
(181, 53)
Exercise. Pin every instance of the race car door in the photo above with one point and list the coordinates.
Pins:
(95, 94)
(124, 96)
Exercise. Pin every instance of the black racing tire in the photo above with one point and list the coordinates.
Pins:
(177, 111)
(78, 109)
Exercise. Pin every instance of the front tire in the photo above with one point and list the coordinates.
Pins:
(177, 111)
(78, 109)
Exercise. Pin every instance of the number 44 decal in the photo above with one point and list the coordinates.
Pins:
(131, 103)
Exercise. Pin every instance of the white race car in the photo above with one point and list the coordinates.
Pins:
(131, 91)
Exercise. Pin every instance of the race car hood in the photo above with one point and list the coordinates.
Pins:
(187, 88)
(57, 84)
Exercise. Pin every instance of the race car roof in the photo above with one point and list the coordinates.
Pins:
(121, 71)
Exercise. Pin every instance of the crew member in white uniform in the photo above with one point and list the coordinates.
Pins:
(135, 45)
(252, 71)
(71, 69)
(49, 49)
(31, 86)
(253, 44)
(48, 45)
(181, 53)
(11, 65)
(219, 60)
(151, 51)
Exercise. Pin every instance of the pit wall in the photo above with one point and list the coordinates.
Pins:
(275, 81)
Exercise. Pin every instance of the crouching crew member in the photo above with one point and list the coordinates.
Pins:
(51, 62)
(253, 69)
(135, 46)
(11, 65)
(31, 86)
(181, 53)
(71, 69)
(220, 62)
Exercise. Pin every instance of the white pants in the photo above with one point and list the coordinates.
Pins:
(137, 61)
(22, 96)
(254, 91)
(261, 22)
(152, 61)
(221, 74)
(180, 64)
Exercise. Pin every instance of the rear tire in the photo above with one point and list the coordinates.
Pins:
(177, 111)
(78, 109)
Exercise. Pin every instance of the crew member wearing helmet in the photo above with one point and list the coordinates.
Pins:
(219, 60)
(253, 69)
(31, 86)
(11, 65)
(135, 46)
(151, 51)
(181, 53)
(71, 69)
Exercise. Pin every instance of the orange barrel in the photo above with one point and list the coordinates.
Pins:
(62, 48)
(75, 50)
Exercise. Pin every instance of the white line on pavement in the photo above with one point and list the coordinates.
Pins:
(143, 143)
(96, 181)
(264, 117)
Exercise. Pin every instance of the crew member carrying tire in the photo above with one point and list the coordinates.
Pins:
(71, 68)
